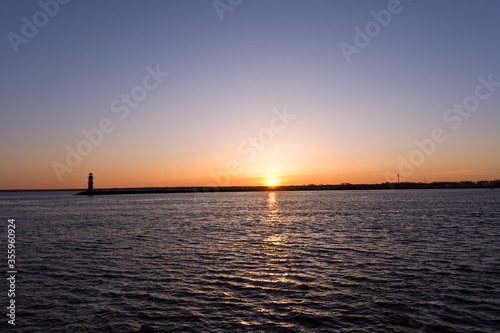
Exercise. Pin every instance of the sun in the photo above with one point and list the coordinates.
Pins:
(271, 182)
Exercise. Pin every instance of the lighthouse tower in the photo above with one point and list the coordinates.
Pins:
(91, 183)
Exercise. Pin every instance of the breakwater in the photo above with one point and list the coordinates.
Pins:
(201, 189)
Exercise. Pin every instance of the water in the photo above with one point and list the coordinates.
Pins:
(329, 261)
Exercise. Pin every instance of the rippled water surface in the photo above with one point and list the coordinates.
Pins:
(327, 261)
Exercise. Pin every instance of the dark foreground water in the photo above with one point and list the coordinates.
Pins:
(350, 261)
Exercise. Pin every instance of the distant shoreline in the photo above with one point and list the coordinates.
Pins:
(342, 187)
(205, 189)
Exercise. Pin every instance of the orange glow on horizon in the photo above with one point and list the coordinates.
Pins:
(146, 173)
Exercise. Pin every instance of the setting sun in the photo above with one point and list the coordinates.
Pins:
(271, 182)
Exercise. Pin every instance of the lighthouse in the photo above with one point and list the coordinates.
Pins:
(91, 183)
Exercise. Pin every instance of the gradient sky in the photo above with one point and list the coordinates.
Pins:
(354, 121)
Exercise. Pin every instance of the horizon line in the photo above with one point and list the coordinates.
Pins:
(258, 186)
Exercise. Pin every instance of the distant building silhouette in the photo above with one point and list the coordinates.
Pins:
(91, 183)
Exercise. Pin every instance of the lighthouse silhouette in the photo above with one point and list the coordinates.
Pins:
(91, 183)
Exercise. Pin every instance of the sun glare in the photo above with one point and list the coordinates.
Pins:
(271, 182)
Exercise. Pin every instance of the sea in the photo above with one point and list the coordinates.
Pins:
(276, 261)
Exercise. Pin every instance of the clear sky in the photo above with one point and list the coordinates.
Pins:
(192, 92)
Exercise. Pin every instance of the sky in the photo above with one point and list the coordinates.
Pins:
(234, 92)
